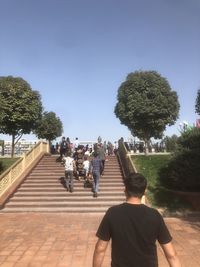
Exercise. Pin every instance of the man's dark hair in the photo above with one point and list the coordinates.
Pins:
(135, 185)
(68, 154)
(95, 154)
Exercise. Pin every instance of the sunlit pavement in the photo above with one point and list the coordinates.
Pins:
(64, 239)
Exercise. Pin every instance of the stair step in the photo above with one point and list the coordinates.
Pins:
(43, 190)
(61, 189)
(58, 180)
(68, 197)
(58, 177)
(56, 210)
(56, 183)
(64, 203)
(76, 193)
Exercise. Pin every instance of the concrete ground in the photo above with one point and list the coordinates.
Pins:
(63, 240)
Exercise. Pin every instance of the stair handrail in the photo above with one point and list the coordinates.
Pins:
(127, 164)
(125, 159)
(14, 172)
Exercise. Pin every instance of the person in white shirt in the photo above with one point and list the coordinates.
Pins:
(70, 168)
(76, 144)
(86, 166)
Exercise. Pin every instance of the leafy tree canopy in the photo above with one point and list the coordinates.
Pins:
(49, 127)
(20, 109)
(197, 105)
(146, 104)
(171, 143)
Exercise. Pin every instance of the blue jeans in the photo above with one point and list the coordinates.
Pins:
(96, 176)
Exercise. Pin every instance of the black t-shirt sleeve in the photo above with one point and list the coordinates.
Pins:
(103, 231)
(164, 236)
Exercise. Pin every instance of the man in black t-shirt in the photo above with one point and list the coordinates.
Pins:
(134, 229)
(63, 146)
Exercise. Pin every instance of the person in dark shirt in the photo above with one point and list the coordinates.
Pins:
(134, 229)
(95, 168)
(62, 147)
(102, 156)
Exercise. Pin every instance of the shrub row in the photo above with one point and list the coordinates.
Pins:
(183, 170)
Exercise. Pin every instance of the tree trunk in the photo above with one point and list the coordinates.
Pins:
(13, 146)
(146, 149)
(49, 141)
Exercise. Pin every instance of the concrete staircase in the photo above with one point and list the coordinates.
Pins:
(44, 190)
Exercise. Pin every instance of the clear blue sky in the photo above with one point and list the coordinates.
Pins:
(77, 53)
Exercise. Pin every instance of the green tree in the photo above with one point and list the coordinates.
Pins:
(21, 108)
(171, 143)
(146, 104)
(197, 105)
(49, 127)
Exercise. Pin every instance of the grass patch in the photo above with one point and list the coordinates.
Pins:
(5, 163)
(150, 165)
(158, 196)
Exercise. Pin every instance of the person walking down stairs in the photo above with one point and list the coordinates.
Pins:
(96, 167)
(102, 156)
(70, 168)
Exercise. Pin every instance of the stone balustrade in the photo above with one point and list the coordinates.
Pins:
(14, 174)
(127, 163)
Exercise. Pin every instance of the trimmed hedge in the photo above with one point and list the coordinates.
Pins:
(5, 163)
(183, 171)
(1, 167)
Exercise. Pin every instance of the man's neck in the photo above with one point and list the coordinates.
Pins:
(133, 200)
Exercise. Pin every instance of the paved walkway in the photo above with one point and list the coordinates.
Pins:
(64, 240)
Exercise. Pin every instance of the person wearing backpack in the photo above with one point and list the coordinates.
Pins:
(63, 147)
(68, 145)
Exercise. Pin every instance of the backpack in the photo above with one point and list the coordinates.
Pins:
(64, 145)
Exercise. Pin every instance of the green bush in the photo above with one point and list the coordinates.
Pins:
(5, 163)
(1, 167)
(183, 171)
(171, 143)
(158, 195)
(190, 139)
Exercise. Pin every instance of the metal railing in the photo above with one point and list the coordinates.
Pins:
(11, 175)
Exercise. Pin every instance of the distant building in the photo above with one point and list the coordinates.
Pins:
(1, 147)
(22, 146)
